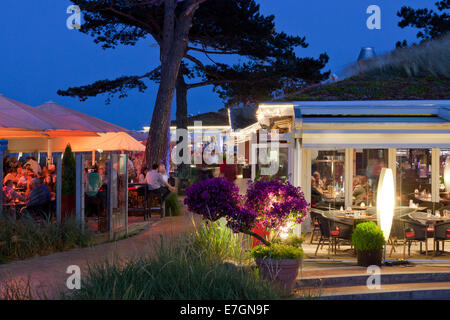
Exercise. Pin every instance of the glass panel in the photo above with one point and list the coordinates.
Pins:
(367, 169)
(96, 196)
(277, 156)
(444, 182)
(414, 177)
(118, 191)
(327, 181)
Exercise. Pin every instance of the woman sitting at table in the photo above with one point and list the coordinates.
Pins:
(316, 193)
(359, 191)
(12, 175)
(10, 195)
(143, 175)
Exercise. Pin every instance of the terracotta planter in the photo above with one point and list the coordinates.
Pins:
(369, 257)
(283, 272)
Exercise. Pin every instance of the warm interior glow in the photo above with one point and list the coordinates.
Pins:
(447, 175)
(385, 201)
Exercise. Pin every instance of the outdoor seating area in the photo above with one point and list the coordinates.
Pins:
(413, 233)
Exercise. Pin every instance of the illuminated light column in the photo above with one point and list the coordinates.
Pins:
(385, 201)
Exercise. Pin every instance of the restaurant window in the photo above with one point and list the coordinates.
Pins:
(367, 168)
(414, 177)
(444, 181)
(327, 178)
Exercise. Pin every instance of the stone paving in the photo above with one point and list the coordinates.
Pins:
(48, 273)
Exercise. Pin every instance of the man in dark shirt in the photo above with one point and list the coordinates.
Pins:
(39, 194)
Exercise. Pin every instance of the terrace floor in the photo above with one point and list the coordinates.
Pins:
(344, 251)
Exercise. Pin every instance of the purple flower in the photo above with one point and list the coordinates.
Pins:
(270, 203)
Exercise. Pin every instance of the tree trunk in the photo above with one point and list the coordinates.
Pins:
(173, 50)
(182, 119)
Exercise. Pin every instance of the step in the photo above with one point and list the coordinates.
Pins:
(361, 279)
(405, 291)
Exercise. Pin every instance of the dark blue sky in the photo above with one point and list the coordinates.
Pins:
(39, 55)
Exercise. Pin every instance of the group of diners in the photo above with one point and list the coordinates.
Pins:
(27, 186)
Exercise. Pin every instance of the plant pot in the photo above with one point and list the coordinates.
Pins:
(282, 272)
(369, 257)
(67, 206)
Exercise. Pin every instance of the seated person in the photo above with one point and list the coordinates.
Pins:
(359, 191)
(12, 175)
(143, 175)
(319, 182)
(39, 196)
(11, 195)
(157, 183)
(316, 193)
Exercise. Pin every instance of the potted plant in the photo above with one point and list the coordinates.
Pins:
(273, 205)
(68, 184)
(280, 262)
(368, 241)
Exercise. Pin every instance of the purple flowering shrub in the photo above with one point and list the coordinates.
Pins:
(278, 203)
(270, 204)
(213, 198)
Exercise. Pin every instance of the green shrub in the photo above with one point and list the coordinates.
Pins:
(24, 238)
(172, 205)
(68, 172)
(292, 240)
(217, 240)
(368, 236)
(277, 251)
(187, 268)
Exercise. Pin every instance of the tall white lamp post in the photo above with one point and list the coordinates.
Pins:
(385, 203)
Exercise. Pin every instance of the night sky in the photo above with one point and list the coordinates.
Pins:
(40, 55)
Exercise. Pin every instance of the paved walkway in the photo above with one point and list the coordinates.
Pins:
(48, 273)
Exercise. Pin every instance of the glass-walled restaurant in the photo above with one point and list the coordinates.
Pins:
(337, 150)
(413, 181)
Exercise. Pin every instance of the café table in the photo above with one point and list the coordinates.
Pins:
(354, 218)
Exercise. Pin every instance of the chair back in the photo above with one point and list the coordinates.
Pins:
(442, 231)
(397, 229)
(414, 230)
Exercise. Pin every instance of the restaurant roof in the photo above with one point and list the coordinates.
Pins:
(432, 111)
(64, 118)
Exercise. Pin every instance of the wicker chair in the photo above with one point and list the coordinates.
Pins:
(332, 231)
(315, 217)
(414, 231)
(442, 233)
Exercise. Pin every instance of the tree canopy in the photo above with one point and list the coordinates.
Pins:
(431, 24)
